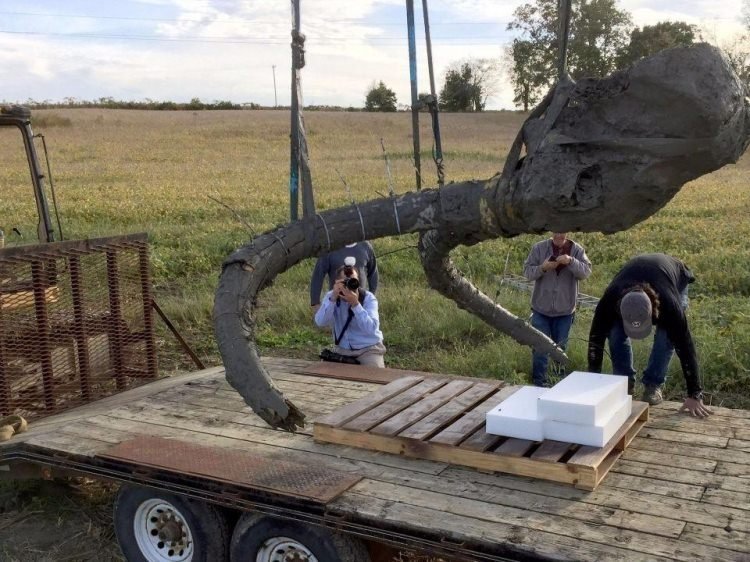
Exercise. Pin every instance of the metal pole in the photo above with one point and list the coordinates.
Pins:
(564, 15)
(275, 99)
(435, 121)
(294, 149)
(414, 94)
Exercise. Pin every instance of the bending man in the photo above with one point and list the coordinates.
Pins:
(649, 289)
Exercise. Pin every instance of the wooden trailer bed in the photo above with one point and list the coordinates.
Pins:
(680, 491)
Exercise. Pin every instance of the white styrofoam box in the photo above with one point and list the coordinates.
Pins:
(594, 435)
(584, 398)
(516, 416)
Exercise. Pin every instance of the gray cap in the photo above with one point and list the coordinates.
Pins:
(635, 309)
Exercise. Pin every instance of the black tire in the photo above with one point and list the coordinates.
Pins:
(253, 530)
(206, 524)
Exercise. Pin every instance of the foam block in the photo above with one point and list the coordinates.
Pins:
(594, 435)
(516, 416)
(584, 398)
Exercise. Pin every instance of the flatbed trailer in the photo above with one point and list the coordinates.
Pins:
(680, 491)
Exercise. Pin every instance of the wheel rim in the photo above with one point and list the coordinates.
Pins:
(162, 532)
(284, 549)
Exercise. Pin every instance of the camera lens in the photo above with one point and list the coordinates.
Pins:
(351, 283)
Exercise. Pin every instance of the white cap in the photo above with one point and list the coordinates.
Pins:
(351, 261)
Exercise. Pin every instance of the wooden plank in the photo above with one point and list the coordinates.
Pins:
(728, 538)
(500, 539)
(684, 475)
(550, 451)
(645, 543)
(370, 401)
(356, 372)
(719, 412)
(739, 444)
(606, 495)
(448, 413)
(666, 460)
(740, 500)
(731, 469)
(711, 453)
(419, 410)
(642, 485)
(217, 423)
(592, 456)
(394, 405)
(104, 404)
(295, 448)
(418, 449)
(469, 423)
(114, 431)
(514, 447)
(694, 438)
(480, 440)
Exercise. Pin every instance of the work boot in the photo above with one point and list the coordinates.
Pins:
(652, 394)
(631, 386)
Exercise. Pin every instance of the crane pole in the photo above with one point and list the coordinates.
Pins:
(414, 94)
(564, 11)
(434, 109)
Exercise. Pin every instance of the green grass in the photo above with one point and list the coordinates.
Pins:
(122, 171)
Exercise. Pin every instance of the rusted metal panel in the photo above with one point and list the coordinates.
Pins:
(312, 482)
(75, 323)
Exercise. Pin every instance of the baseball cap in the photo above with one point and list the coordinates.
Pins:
(635, 309)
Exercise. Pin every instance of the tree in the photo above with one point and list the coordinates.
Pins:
(468, 84)
(654, 38)
(598, 33)
(738, 53)
(528, 73)
(380, 98)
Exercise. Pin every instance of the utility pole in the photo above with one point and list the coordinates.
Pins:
(275, 99)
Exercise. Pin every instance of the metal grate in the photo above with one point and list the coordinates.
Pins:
(313, 482)
(76, 323)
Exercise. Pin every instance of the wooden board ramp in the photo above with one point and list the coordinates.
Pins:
(443, 419)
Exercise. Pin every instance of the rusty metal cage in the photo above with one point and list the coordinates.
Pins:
(76, 323)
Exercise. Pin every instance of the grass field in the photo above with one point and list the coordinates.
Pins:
(122, 171)
(128, 171)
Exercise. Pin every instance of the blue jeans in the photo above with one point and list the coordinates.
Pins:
(621, 352)
(557, 329)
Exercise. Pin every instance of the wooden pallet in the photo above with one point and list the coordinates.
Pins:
(443, 419)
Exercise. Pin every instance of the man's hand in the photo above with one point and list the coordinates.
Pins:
(564, 259)
(549, 265)
(350, 297)
(696, 408)
(315, 308)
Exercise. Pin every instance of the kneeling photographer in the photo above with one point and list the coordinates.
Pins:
(352, 314)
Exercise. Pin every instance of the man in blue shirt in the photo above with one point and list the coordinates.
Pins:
(353, 317)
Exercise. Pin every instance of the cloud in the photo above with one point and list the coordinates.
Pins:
(224, 49)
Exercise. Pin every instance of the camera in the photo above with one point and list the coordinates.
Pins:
(351, 283)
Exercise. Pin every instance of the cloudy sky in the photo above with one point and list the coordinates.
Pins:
(226, 49)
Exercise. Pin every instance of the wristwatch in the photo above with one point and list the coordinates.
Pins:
(697, 395)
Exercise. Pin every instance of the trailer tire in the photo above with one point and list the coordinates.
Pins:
(256, 536)
(155, 526)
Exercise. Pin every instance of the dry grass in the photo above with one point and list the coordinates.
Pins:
(124, 171)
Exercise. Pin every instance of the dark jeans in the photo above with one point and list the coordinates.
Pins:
(621, 352)
(557, 329)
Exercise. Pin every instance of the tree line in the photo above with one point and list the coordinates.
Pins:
(602, 39)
